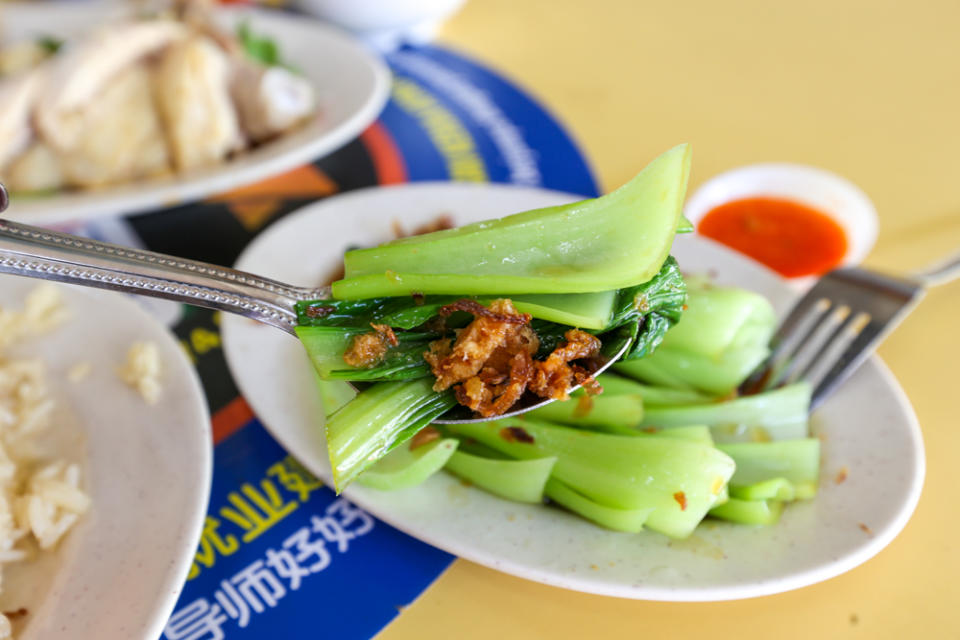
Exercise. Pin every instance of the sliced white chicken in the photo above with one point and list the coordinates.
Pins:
(80, 73)
(270, 100)
(18, 94)
(36, 169)
(121, 135)
(192, 89)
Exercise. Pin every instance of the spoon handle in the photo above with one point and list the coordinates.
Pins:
(49, 255)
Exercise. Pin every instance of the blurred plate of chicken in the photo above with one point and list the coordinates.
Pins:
(103, 112)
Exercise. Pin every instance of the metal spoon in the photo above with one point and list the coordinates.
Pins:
(50, 255)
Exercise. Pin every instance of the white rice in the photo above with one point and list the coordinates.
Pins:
(142, 370)
(40, 499)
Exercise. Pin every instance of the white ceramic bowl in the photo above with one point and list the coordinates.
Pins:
(835, 196)
(385, 23)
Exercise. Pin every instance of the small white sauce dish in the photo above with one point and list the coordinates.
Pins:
(831, 194)
(385, 24)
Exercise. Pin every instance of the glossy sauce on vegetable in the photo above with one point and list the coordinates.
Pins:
(787, 236)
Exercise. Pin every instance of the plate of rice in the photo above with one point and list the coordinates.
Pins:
(105, 465)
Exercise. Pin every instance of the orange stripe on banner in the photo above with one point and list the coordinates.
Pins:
(230, 418)
(255, 204)
(307, 181)
(387, 161)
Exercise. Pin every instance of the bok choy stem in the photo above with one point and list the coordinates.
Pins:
(677, 478)
(405, 467)
(614, 385)
(759, 512)
(781, 414)
(723, 336)
(626, 520)
(377, 420)
(583, 310)
(612, 414)
(517, 480)
(797, 461)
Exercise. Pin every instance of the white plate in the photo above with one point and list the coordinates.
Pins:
(352, 86)
(118, 573)
(868, 427)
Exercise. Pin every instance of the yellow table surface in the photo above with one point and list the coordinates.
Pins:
(870, 90)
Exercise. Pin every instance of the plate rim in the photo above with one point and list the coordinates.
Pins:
(156, 195)
(876, 543)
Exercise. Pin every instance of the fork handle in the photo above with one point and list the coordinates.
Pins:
(941, 273)
(37, 253)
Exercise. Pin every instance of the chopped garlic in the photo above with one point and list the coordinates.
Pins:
(142, 370)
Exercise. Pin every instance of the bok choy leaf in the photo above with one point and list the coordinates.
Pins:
(615, 241)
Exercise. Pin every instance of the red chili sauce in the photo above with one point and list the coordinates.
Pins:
(790, 238)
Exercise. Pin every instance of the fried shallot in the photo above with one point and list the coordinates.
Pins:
(369, 349)
(491, 329)
(554, 376)
(490, 364)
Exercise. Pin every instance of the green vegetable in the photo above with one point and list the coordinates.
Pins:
(52, 44)
(584, 310)
(760, 512)
(723, 337)
(718, 319)
(672, 368)
(723, 496)
(326, 345)
(377, 420)
(517, 480)
(262, 49)
(648, 371)
(623, 472)
(796, 461)
(405, 467)
(610, 413)
(780, 414)
(773, 489)
(653, 308)
(694, 433)
(614, 385)
(616, 241)
(626, 520)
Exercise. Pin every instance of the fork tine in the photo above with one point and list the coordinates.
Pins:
(803, 319)
(839, 344)
(850, 358)
(807, 352)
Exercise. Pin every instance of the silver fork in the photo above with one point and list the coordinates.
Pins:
(50, 255)
(838, 323)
